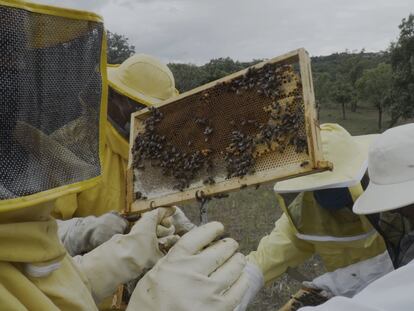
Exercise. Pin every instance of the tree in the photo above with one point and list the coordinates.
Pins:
(355, 73)
(220, 67)
(322, 85)
(375, 87)
(402, 62)
(342, 94)
(187, 76)
(345, 67)
(118, 48)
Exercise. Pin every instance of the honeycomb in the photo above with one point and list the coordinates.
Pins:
(245, 125)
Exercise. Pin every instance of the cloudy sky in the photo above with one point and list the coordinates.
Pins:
(197, 30)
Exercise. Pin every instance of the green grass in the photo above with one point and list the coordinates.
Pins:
(250, 214)
(363, 121)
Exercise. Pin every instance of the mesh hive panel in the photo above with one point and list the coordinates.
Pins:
(224, 108)
(50, 96)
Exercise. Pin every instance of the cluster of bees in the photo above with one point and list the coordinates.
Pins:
(265, 81)
(284, 124)
(283, 127)
(239, 155)
(155, 148)
(206, 126)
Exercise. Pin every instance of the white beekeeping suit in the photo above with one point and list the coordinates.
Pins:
(392, 292)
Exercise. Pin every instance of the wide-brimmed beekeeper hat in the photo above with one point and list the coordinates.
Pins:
(391, 172)
(347, 153)
(142, 78)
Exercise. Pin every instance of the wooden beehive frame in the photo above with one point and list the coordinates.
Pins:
(316, 161)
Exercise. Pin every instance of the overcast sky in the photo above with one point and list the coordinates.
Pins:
(197, 30)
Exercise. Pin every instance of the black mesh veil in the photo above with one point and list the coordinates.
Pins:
(120, 108)
(50, 101)
(397, 230)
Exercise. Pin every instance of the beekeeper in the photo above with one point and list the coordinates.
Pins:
(320, 221)
(139, 82)
(44, 162)
(389, 204)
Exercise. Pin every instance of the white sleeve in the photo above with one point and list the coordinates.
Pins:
(392, 292)
(350, 280)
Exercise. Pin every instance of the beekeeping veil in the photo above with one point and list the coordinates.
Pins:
(388, 200)
(52, 99)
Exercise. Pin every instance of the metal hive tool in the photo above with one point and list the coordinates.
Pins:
(254, 126)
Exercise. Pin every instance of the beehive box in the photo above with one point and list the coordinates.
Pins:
(257, 125)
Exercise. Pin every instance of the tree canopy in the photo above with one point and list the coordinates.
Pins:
(402, 62)
(342, 93)
(189, 76)
(118, 48)
(375, 87)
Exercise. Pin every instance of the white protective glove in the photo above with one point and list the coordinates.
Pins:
(181, 223)
(256, 282)
(83, 234)
(124, 257)
(350, 280)
(197, 274)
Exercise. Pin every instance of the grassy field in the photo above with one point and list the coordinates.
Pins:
(363, 121)
(250, 214)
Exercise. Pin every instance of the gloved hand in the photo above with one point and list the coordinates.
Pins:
(350, 280)
(196, 274)
(81, 235)
(256, 282)
(181, 223)
(124, 257)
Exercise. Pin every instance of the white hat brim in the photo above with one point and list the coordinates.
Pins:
(380, 198)
(332, 179)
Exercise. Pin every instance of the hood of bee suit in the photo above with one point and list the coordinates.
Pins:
(53, 96)
(349, 155)
(51, 139)
(53, 105)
